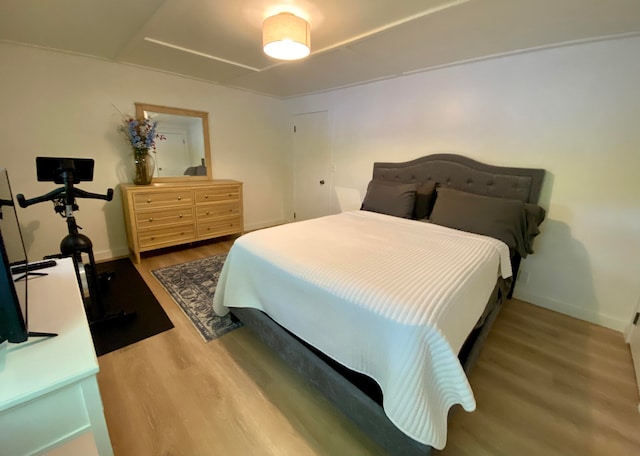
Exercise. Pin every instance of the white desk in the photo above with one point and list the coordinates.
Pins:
(49, 395)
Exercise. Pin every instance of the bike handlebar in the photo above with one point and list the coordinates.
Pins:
(60, 193)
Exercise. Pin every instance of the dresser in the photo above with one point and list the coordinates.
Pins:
(167, 214)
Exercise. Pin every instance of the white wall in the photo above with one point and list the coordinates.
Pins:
(574, 111)
(54, 104)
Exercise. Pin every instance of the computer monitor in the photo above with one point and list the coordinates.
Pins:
(13, 294)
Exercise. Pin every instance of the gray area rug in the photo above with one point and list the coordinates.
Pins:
(192, 286)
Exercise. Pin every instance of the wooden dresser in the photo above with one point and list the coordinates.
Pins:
(166, 214)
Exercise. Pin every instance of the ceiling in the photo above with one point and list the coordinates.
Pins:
(352, 41)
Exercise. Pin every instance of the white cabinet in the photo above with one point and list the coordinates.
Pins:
(49, 396)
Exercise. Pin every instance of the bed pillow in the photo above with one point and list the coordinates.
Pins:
(390, 198)
(500, 218)
(535, 216)
(425, 194)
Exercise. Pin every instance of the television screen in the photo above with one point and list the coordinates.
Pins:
(13, 315)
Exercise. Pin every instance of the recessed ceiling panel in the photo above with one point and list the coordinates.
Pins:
(339, 67)
(95, 27)
(335, 22)
(215, 28)
(232, 30)
(489, 27)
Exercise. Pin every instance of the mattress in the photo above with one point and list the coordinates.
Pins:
(391, 298)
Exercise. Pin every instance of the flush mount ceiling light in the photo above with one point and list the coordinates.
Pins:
(286, 37)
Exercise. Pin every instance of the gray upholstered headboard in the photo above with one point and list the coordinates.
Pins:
(465, 174)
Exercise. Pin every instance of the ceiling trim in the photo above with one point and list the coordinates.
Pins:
(200, 54)
(524, 51)
(390, 25)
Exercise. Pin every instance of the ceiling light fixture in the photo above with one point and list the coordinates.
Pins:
(286, 37)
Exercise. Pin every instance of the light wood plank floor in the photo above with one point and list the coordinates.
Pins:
(545, 384)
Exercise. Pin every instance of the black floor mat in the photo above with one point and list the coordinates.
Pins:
(127, 291)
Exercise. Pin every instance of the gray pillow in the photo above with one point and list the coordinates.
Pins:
(535, 216)
(390, 198)
(500, 218)
(425, 194)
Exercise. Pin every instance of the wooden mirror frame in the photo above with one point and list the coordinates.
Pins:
(204, 116)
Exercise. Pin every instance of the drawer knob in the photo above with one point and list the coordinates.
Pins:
(180, 216)
(148, 200)
(230, 210)
(207, 213)
(153, 237)
(151, 219)
(181, 233)
(230, 194)
(179, 198)
(206, 196)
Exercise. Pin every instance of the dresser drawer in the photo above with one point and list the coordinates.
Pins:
(168, 235)
(152, 200)
(219, 227)
(217, 210)
(217, 193)
(162, 217)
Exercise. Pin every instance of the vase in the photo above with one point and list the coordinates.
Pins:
(144, 166)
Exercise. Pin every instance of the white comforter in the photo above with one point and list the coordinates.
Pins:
(392, 298)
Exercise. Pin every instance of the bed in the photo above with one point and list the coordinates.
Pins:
(385, 309)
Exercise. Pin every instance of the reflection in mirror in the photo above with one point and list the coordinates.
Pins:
(182, 142)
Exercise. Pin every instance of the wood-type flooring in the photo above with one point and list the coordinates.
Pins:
(545, 384)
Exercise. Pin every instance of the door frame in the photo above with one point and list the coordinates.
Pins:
(294, 163)
(633, 330)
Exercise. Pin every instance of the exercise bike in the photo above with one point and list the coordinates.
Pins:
(70, 171)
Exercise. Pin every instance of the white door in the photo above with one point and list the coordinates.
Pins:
(633, 337)
(172, 159)
(311, 165)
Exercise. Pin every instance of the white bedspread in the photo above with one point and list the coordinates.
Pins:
(392, 298)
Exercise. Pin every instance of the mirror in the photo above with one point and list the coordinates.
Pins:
(182, 142)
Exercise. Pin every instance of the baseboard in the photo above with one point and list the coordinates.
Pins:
(589, 315)
(627, 336)
(263, 224)
(630, 325)
(104, 255)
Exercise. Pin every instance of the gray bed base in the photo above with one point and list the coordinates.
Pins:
(450, 170)
(365, 412)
